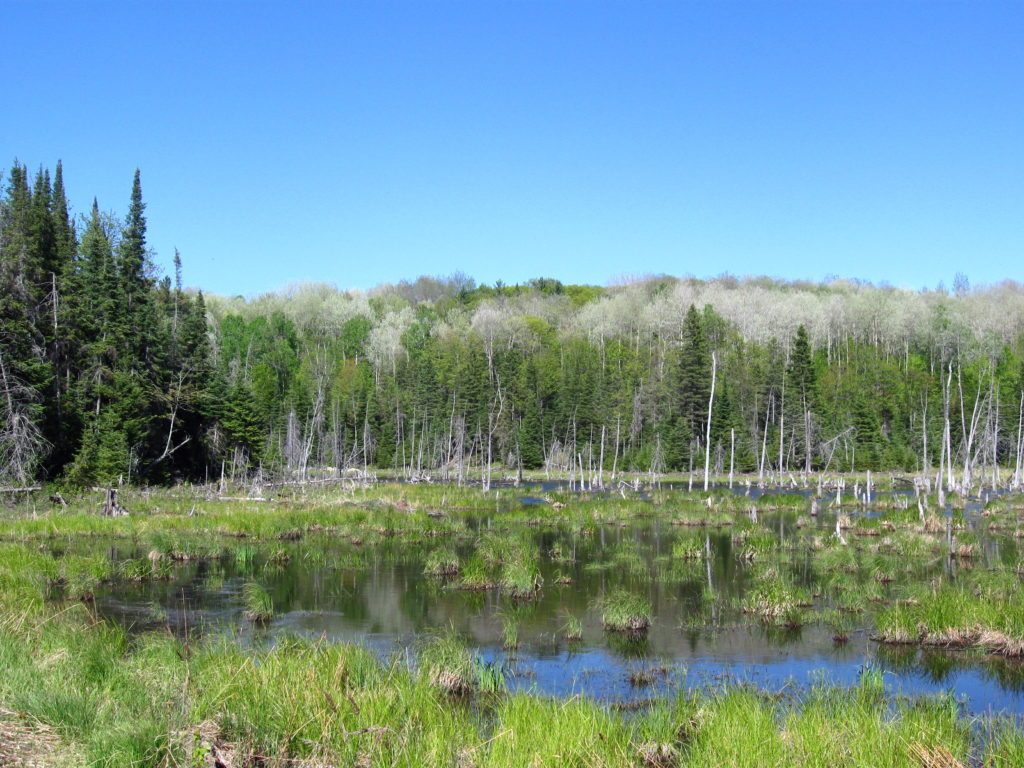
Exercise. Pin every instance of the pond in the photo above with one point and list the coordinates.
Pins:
(700, 582)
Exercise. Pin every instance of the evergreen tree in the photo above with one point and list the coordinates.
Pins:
(65, 244)
(692, 390)
(801, 396)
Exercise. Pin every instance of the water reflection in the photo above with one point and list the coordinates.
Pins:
(378, 596)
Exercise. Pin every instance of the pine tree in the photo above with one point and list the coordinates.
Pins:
(868, 435)
(43, 249)
(132, 252)
(692, 390)
(801, 395)
(65, 242)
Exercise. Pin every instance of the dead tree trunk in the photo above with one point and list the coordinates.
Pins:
(711, 403)
(111, 505)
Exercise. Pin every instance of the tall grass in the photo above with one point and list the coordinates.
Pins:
(988, 616)
(149, 700)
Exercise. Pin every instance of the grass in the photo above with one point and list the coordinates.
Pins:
(441, 562)
(451, 667)
(776, 600)
(509, 632)
(477, 575)
(988, 616)
(573, 629)
(623, 611)
(521, 579)
(689, 547)
(259, 606)
(149, 700)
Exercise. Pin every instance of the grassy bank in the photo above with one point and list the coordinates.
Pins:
(151, 701)
(113, 698)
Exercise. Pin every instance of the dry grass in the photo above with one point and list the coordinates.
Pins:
(989, 640)
(935, 757)
(31, 745)
(965, 551)
(653, 755)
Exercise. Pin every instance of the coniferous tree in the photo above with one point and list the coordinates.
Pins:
(801, 396)
(692, 390)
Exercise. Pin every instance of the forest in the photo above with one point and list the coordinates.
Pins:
(112, 372)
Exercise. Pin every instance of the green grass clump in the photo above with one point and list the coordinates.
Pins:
(259, 606)
(449, 664)
(623, 611)
(776, 602)
(318, 703)
(754, 543)
(532, 731)
(689, 547)
(441, 562)
(509, 631)
(573, 629)
(477, 575)
(139, 569)
(496, 549)
(521, 579)
(989, 616)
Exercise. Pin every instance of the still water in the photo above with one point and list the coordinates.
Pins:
(377, 595)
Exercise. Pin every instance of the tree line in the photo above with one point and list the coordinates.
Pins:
(110, 372)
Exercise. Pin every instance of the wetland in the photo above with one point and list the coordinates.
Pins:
(646, 613)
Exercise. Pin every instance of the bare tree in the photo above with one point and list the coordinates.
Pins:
(21, 442)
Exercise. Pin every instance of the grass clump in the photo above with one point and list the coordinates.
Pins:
(476, 575)
(955, 616)
(573, 629)
(452, 668)
(623, 611)
(775, 602)
(441, 562)
(259, 606)
(690, 547)
(521, 579)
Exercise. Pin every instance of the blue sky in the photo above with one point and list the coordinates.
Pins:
(358, 143)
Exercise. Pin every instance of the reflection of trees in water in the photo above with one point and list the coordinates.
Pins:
(380, 588)
(938, 666)
(1008, 673)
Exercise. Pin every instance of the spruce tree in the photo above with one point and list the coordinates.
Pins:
(801, 395)
(65, 242)
(692, 389)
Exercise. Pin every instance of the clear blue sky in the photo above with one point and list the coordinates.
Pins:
(361, 143)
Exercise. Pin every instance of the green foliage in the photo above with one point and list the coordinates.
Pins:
(114, 373)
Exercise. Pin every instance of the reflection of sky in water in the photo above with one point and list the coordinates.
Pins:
(386, 602)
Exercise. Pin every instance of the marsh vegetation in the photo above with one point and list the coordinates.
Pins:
(428, 625)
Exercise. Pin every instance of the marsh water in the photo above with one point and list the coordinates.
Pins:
(375, 593)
